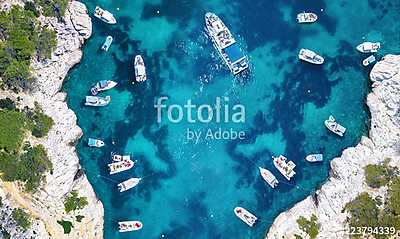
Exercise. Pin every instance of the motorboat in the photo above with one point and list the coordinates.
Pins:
(310, 56)
(286, 169)
(95, 143)
(97, 101)
(128, 184)
(369, 47)
(102, 86)
(225, 44)
(140, 69)
(315, 158)
(121, 166)
(106, 45)
(268, 177)
(117, 158)
(128, 226)
(245, 216)
(335, 127)
(369, 60)
(306, 17)
(104, 15)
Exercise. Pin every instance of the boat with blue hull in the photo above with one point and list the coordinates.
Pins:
(97, 101)
(315, 158)
(95, 143)
(107, 43)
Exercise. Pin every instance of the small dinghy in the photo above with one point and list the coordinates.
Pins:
(128, 226)
(315, 158)
(268, 177)
(121, 166)
(335, 127)
(104, 15)
(97, 101)
(306, 17)
(368, 60)
(117, 158)
(245, 216)
(369, 47)
(95, 143)
(128, 184)
(310, 56)
(140, 69)
(102, 86)
(106, 45)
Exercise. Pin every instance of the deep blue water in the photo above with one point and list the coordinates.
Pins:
(190, 190)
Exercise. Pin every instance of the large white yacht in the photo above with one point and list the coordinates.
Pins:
(268, 177)
(286, 169)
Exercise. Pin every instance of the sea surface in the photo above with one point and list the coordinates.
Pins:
(189, 189)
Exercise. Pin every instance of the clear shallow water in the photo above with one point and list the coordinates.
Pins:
(190, 190)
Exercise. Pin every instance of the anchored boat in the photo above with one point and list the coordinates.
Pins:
(245, 216)
(268, 177)
(368, 60)
(97, 101)
(310, 56)
(335, 127)
(121, 166)
(128, 226)
(104, 15)
(306, 17)
(103, 85)
(106, 45)
(225, 44)
(315, 158)
(95, 143)
(128, 184)
(117, 158)
(369, 47)
(286, 169)
(140, 69)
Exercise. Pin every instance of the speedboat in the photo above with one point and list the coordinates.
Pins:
(95, 143)
(97, 101)
(121, 166)
(225, 44)
(286, 169)
(310, 56)
(369, 47)
(315, 158)
(306, 17)
(128, 226)
(268, 177)
(140, 69)
(104, 15)
(245, 216)
(117, 158)
(334, 127)
(368, 60)
(106, 45)
(128, 184)
(103, 85)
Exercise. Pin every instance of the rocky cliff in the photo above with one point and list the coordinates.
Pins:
(47, 204)
(347, 179)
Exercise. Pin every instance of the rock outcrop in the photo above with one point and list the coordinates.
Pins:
(348, 179)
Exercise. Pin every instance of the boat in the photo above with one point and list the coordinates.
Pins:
(97, 101)
(310, 56)
(225, 44)
(245, 216)
(286, 169)
(369, 47)
(306, 17)
(104, 15)
(368, 60)
(268, 177)
(335, 127)
(140, 69)
(106, 45)
(103, 85)
(95, 143)
(128, 184)
(128, 226)
(121, 166)
(117, 158)
(315, 158)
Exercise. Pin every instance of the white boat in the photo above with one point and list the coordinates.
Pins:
(128, 226)
(225, 44)
(334, 127)
(95, 143)
(268, 177)
(117, 158)
(128, 184)
(104, 15)
(121, 166)
(369, 47)
(310, 56)
(368, 60)
(102, 86)
(106, 45)
(97, 101)
(140, 69)
(306, 17)
(286, 169)
(245, 216)
(315, 158)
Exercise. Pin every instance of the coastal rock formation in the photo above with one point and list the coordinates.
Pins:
(46, 205)
(347, 179)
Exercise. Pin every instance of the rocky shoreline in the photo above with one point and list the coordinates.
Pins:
(46, 205)
(347, 178)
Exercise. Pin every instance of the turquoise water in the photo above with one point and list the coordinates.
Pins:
(189, 190)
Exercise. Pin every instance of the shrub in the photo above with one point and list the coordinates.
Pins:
(79, 218)
(73, 202)
(378, 175)
(309, 227)
(39, 122)
(67, 225)
(12, 130)
(22, 218)
(7, 103)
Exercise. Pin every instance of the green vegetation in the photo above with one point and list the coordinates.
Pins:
(378, 175)
(22, 218)
(297, 236)
(40, 124)
(12, 130)
(73, 202)
(309, 227)
(79, 218)
(52, 8)
(67, 225)
(7, 103)
(5, 233)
